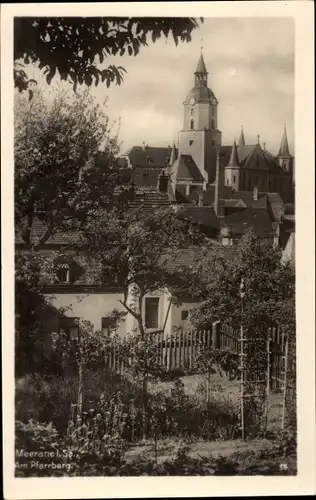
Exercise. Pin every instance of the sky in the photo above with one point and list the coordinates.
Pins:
(250, 62)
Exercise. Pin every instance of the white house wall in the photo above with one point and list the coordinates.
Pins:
(92, 307)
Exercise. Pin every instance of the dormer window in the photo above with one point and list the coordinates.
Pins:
(148, 159)
(191, 124)
(63, 272)
(39, 207)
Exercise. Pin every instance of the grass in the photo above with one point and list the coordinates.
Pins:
(230, 389)
(33, 396)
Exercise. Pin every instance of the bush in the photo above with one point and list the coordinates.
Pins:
(49, 398)
(41, 452)
(86, 455)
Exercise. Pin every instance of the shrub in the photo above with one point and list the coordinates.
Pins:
(49, 398)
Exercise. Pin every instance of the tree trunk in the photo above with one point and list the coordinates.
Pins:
(80, 388)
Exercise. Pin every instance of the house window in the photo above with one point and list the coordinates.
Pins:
(192, 111)
(191, 124)
(63, 273)
(151, 312)
(184, 315)
(212, 124)
(213, 112)
(227, 181)
(70, 327)
(234, 178)
(108, 325)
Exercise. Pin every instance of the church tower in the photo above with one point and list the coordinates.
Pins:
(284, 157)
(200, 131)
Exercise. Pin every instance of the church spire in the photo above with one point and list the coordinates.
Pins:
(284, 147)
(241, 141)
(173, 155)
(201, 68)
(233, 162)
(201, 72)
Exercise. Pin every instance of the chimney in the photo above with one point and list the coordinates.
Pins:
(163, 181)
(217, 181)
(256, 193)
(201, 196)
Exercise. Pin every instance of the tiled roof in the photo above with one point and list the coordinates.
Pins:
(204, 216)
(256, 219)
(235, 203)
(191, 256)
(58, 238)
(185, 168)
(144, 176)
(149, 198)
(252, 156)
(148, 156)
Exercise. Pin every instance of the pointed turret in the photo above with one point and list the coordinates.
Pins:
(173, 155)
(201, 73)
(284, 147)
(241, 141)
(201, 68)
(233, 161)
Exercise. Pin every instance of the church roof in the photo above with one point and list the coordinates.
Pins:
(241, 141)
(173, 155)
(284, 147)
(185, 168)
(233, 161)
(201, 68)
(200, 93)
(250, 157)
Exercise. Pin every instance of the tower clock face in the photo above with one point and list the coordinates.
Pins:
(192, 101)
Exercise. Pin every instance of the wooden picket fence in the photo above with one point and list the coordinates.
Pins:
(180, 349)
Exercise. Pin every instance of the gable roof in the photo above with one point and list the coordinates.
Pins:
(203, 216)
(148, 156)
(58, 238)
(149, 198)
(251, 218)
(185, 168)
(190, 256)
